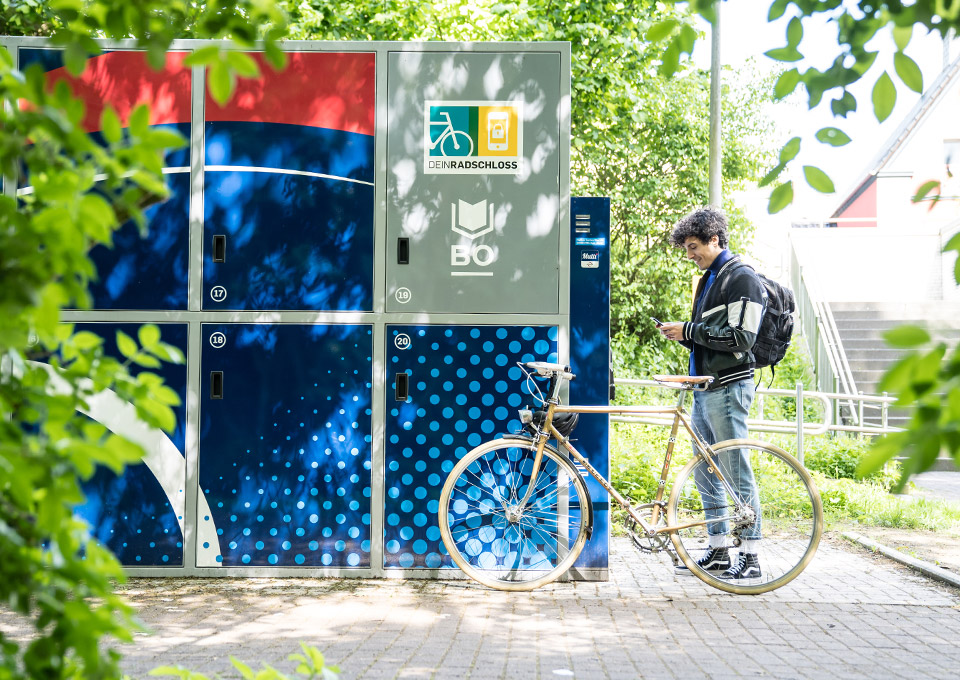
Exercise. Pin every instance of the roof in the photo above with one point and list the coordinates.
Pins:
(896, 141)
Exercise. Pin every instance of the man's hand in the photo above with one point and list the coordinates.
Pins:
(672, 330)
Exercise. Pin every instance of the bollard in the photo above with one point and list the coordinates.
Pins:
(800, 422)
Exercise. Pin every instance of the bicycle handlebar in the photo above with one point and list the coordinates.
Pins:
(547, 370)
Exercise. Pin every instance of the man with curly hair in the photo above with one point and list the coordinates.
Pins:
(727, 310)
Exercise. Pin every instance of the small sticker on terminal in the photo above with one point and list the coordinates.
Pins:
(587, 241)
(590, 259)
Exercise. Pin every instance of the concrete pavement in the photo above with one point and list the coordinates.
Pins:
(850, 615)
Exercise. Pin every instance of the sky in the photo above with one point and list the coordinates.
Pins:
(745, 35)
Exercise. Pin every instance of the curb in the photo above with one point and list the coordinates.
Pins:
(925, 568)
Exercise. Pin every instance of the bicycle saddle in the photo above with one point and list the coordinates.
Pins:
(684, 379)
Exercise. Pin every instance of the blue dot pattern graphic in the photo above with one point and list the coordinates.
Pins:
(465, 389)
(285, 454)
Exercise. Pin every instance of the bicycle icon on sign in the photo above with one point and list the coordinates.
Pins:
(449, 134)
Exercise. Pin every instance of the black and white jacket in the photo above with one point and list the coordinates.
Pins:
(726, 327)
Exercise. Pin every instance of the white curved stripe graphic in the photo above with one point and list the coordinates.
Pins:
(280, 171)
(160, 455)
(100, 177)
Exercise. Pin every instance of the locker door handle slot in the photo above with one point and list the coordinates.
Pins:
(219, 248)
(216, 384)
(403, 250)
(402, 390)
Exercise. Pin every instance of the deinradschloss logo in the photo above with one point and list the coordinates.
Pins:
(472, 137)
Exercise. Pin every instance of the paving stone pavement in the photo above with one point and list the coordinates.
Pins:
(849, 615)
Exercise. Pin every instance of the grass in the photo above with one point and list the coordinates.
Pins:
(636, 458)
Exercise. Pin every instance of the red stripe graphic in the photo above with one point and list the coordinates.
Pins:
(125, 80)
(335, 90)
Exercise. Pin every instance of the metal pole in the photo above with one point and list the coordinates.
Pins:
(800, 422)
(715, 152)
(861, 423)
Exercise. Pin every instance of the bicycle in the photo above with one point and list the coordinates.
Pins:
(515, 512)
(450, 133)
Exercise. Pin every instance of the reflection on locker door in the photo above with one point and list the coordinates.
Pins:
(285, 445)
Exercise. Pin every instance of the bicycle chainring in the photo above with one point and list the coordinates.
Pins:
(643, 542)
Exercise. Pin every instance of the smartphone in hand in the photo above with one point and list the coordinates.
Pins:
(656, 321)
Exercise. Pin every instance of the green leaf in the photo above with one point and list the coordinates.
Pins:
(788, 54)
(669, 60)
(777, 8)
(274, 54)
(126, 344)
(897, 377)
(906, 336)
(145, 360)
(149, 335)
(908, 71)
(661, 30)
(832, 136)
(790, 150)
(818, 179)
(884, 97)
(168, 353)
(139, 120)
(220, 81)
(953, 243)
(110, 125)
(925, 190)
(780, 198)
(843, 105)
(772, 175)
(87, 340)
(794, 32)
(162, 138)
(786, 83)
(884, 448)
(901, 36)
(75, 58)
(204, 56)
(245, 670)
(97, 217)
(243, 64)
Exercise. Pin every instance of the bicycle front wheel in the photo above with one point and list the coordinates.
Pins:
(774, 508)
(495, 540)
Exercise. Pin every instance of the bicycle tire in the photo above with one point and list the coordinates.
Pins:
(457, 146)
(538, 546)
(791, 515)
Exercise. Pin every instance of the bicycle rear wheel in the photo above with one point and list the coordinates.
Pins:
(495, 541)
(784, 534)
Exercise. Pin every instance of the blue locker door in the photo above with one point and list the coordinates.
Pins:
(285, 445)
(465, 388)
(590, 354)
(138, 515)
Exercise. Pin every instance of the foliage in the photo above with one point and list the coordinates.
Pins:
(637, 137)
(857, 23)
(80, 193)
(838, 457)
(926, 380)
(311, 665)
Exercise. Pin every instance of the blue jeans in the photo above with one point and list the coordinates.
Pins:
(718, 415)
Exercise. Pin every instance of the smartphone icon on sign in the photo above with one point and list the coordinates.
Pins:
(498, 130)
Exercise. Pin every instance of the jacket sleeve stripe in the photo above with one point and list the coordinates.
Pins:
(752, 314)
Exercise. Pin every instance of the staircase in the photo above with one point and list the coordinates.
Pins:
(861, 325)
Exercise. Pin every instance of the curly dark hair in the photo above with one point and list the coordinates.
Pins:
(703, 224)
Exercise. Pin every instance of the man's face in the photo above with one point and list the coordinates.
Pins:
(702, 254)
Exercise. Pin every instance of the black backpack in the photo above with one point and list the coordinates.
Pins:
(776, 326)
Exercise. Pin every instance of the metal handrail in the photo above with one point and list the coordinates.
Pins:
(799, 427)
(825, 337)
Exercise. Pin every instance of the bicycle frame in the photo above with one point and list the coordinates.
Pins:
(657, 504)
